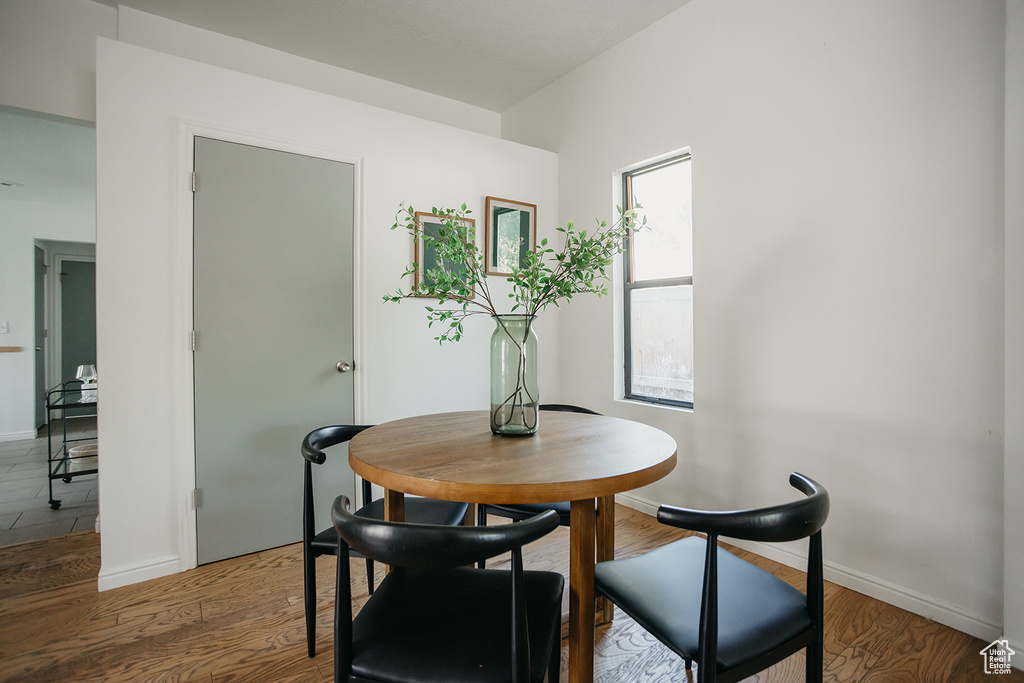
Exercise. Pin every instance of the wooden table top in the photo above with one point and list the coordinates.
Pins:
(454, 456)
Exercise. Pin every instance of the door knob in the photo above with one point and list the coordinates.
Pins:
(344, 366)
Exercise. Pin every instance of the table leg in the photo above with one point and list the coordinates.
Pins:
(394, 506)
(581, 591)
(394, 510)
(605, 549)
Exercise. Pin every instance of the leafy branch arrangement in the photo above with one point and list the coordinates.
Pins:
(545, 277)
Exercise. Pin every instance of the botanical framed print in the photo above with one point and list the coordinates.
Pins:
(427, 258)
(511, 234)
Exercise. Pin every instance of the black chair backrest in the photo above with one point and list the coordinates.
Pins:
(312, 452)
(317, 440)
(566, 408)
(786, 522)
(425, 546)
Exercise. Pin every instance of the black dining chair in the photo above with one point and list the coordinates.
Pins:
(435, 618)
(709, 606)
(421, 510)
(521, 511)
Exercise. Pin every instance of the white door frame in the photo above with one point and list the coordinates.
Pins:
(184, 386)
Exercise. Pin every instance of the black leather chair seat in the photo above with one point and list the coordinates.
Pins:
(662, 590)
(461, 606)
(417, 511)
(524, 510)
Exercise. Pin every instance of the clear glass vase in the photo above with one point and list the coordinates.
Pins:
(514, 396)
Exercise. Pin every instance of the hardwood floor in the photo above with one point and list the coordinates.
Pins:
(242, 620)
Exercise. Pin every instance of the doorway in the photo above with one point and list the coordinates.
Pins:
(65, 315)
(77, 313)
(273, 316)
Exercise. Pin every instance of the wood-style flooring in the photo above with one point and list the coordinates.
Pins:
(25, 512)
(242, 620)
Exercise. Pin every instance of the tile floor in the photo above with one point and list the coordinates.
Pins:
(25, 513)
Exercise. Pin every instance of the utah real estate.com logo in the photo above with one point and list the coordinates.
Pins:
(997, 657)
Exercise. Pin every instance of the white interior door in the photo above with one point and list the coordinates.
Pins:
(272, 317)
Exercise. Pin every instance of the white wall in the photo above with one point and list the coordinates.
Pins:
(1013, 605)
(144, 238)
(40, 209)
(848, 271)
(21, 223)
(47, 62)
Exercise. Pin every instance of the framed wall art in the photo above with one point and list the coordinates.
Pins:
(511, 233)
(427, 258)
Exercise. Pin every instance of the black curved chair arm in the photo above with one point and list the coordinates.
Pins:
(416, 545)
(317, 440)
(787, 522)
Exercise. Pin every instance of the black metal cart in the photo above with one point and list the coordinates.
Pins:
(65, 463)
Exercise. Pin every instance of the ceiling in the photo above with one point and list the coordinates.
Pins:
(488, 53)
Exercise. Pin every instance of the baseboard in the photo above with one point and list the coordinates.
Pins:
(17, 436)
(1017, 662)
(142, 571)
(899, 596)
(634, 502)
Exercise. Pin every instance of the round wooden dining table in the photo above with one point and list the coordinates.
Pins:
(585, 459)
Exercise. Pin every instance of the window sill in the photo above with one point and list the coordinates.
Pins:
(656, 406)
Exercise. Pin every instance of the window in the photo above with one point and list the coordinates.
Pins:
(658, 285)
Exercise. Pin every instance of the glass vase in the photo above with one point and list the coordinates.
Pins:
(514, 396)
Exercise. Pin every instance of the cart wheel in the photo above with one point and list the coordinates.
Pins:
(54, 504)
(66, 480)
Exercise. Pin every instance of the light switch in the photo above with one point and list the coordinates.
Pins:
(4, 329)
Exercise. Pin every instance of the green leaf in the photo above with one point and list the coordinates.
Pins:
(546, 275)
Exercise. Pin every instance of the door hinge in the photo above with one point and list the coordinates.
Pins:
(196, 499)
(193, 340)
(46, 269)
(46, 333)
(194, 176)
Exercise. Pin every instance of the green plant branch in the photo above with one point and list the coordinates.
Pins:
(545, 276)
